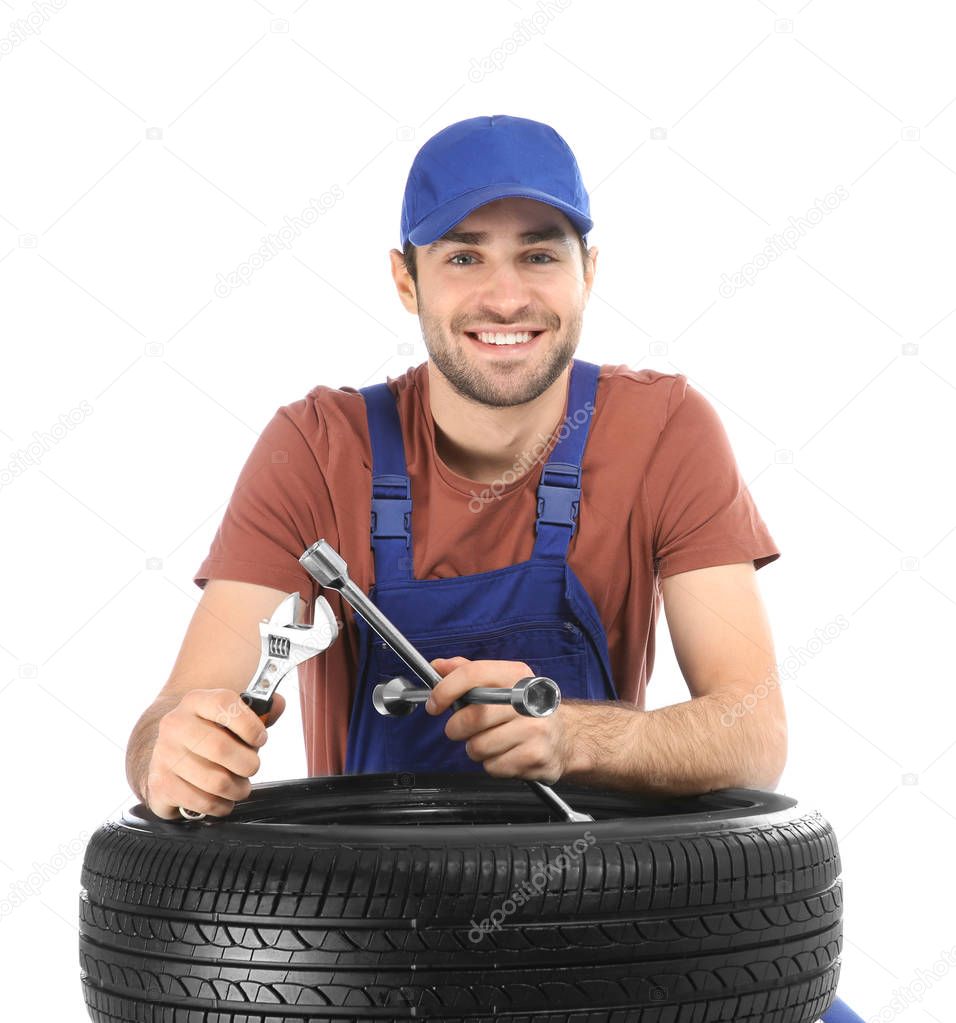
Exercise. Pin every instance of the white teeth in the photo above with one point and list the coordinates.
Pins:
(506, 339)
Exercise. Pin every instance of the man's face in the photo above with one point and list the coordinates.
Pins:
(503, 281)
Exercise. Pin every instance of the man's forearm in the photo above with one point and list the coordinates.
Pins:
(683, 749)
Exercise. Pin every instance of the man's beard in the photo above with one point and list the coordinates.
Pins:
(502, 384)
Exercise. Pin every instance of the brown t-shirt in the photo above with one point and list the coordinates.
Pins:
(661, 494)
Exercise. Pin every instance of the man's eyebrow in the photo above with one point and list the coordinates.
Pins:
(551, 232)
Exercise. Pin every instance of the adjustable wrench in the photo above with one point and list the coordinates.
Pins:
(285, 644)
(328, 568)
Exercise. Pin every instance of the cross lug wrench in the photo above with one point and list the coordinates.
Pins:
(535, 696)
(329, 569)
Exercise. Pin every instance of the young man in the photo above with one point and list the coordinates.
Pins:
(512, 509)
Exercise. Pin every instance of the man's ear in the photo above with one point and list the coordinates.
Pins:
(590, 271)
(407, 292)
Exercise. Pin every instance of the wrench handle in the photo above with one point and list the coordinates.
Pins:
(257, 705)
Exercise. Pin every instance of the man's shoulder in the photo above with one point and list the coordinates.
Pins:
(640, 395)
(346, 398)
(624, 376)
(337, 414)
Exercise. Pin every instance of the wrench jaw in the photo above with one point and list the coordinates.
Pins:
(286, 613)
(284, 647)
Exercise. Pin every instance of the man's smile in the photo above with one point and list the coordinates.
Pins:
(504, 341)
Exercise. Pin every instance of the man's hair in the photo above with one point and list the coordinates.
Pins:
(412, 267)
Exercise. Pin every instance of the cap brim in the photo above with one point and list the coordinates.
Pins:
(446, 217)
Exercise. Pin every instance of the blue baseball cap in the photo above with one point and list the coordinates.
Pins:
(478, 160)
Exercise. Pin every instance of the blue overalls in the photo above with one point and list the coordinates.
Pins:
(840, 1012)
(537, 611)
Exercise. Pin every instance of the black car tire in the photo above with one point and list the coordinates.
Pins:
(459, 897)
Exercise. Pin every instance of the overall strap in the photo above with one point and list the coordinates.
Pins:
(559, 493)
(391, 525)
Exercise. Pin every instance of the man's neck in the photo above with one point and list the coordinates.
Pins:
(481, 442)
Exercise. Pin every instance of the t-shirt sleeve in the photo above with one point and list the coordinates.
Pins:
(274, 512)
(703, 512)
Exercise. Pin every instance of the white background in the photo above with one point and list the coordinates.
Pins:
(145, 149)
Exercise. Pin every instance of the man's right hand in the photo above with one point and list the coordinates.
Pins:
(205, 753)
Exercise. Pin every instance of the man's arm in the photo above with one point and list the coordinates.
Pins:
(732, 733)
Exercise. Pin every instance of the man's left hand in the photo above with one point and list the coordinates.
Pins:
(507, 744)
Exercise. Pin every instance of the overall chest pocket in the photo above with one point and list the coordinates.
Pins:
(534, 642)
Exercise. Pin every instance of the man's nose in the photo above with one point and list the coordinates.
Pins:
(505, 286)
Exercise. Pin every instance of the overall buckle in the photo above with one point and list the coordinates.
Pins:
(558, 502)
(391, 513)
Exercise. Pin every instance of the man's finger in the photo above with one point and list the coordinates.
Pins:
(470, 674)
(477, 717)
(229, 711)
(443, 665)
(498, 739)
